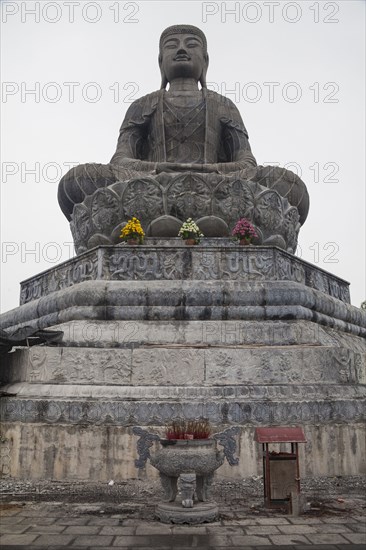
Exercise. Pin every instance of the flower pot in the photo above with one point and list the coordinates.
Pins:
(245, 241)
(133, 241)
(190, 242)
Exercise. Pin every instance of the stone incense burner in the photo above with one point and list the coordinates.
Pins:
(194, 461)
(191, 464)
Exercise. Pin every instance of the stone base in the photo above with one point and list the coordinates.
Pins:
(173, 512)
(244, 336)
(93, 449)
(214, 201)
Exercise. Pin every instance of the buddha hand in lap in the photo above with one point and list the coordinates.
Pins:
(182, 152)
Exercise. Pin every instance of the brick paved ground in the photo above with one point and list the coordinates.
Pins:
(80, 526)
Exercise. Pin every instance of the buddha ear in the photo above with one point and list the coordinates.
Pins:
(164, 80)
(202, 79)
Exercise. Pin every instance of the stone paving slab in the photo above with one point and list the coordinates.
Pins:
(356, 538)
(13, 528)
(23, 540)
(104, 521)
(218, 540)
(117, 530)
(297, 529)
(212, 528)
(272, 521)
(10, 520)
(327, 538)
(336, 520)
(82, 530)
(288, 540)
(358, 527)
(361, 519)
(53, 540)
(221, 530)
(303, 520)
(53, 526)
(332, 528)
(161, 529)
(89, 540)
(72, 521)
(46, 529)
(248, 540)
(262, 530)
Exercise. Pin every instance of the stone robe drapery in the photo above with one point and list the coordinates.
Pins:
(142, 134)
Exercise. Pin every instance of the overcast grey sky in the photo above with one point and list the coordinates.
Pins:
(70, 69)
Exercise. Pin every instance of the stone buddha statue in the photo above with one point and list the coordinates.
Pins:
(182, 152)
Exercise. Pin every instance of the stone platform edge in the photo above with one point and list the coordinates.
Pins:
(129, 413)
(184, 301)
(172, 260)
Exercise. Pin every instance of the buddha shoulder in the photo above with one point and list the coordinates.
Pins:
(220, 100)
(150, 99)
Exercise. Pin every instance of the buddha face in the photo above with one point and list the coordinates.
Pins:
(183, 56)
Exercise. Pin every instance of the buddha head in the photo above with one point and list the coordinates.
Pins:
(183, 54)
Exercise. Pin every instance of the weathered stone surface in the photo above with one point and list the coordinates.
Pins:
(248, 343)
(167, 366)
(86, 450)
(189, 463)
(32, 407)
(216, 330)
(187, 300)
(176, 457)
(72, 366)
(182, 366)
(216, 259)
(281, 392)
(295, 365)
(203, 512)
(203, 333)
(215, 202)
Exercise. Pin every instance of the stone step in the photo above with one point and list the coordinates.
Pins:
(244, 393)
(186, 301)
(110, 334)
(208, 261)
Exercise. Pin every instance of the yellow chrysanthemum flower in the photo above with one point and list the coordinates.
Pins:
(132, 229)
